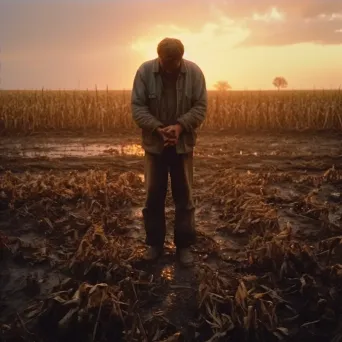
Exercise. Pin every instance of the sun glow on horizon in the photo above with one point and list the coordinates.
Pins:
(218, 48)
(213, 39)
(246, 43)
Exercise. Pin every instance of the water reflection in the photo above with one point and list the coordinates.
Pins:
(52, 150)
(170, 300)
(132, 149)
(168, 272)
(136, 213)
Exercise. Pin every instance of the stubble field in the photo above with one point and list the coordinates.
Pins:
(268, 198)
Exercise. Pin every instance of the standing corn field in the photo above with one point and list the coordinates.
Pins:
(105, 111)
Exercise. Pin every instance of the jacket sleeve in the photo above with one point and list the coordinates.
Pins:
(139, 105)
(196, 115)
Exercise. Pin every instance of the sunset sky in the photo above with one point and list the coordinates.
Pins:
(80, 43)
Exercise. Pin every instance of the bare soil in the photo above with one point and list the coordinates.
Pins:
(268, 253)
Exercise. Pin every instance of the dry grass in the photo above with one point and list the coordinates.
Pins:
(103, 111)
(285, 288)
(101, 189)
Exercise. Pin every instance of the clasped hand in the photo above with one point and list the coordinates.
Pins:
(170, 134)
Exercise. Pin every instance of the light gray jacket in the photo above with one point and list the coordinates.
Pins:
(191, 104)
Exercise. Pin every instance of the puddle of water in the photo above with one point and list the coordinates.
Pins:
(14, 295)
(136, 213)
(253, 166)
(168, 272)
(335, 218)
(29, 238)
(286, 193)
(299, 223)
(15, 287)
(227, 245)
(50, 150)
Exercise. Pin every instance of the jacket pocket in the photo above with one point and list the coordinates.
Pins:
(187, 103)
(153, 104)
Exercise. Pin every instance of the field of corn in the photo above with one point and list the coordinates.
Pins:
(103, 111)
(268, 255)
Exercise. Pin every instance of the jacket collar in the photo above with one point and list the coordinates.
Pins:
(156, 67)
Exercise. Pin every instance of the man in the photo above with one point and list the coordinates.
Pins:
(169, 101)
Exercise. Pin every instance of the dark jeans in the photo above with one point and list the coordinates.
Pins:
(157, 168)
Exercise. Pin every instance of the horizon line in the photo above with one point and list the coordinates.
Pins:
(126, 89)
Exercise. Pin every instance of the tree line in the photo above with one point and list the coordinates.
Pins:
(279, 82)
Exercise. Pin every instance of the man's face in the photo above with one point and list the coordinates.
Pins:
(170, 65)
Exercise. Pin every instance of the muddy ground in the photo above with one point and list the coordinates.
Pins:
(268, 251)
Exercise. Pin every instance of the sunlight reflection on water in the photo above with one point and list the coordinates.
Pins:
(51, 150)
(168, 272)
(130, 149)
(136, 213)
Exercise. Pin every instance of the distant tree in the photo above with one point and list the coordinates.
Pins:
(222, 86)
(280, 82)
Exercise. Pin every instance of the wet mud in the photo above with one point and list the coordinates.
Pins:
(268, 255)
